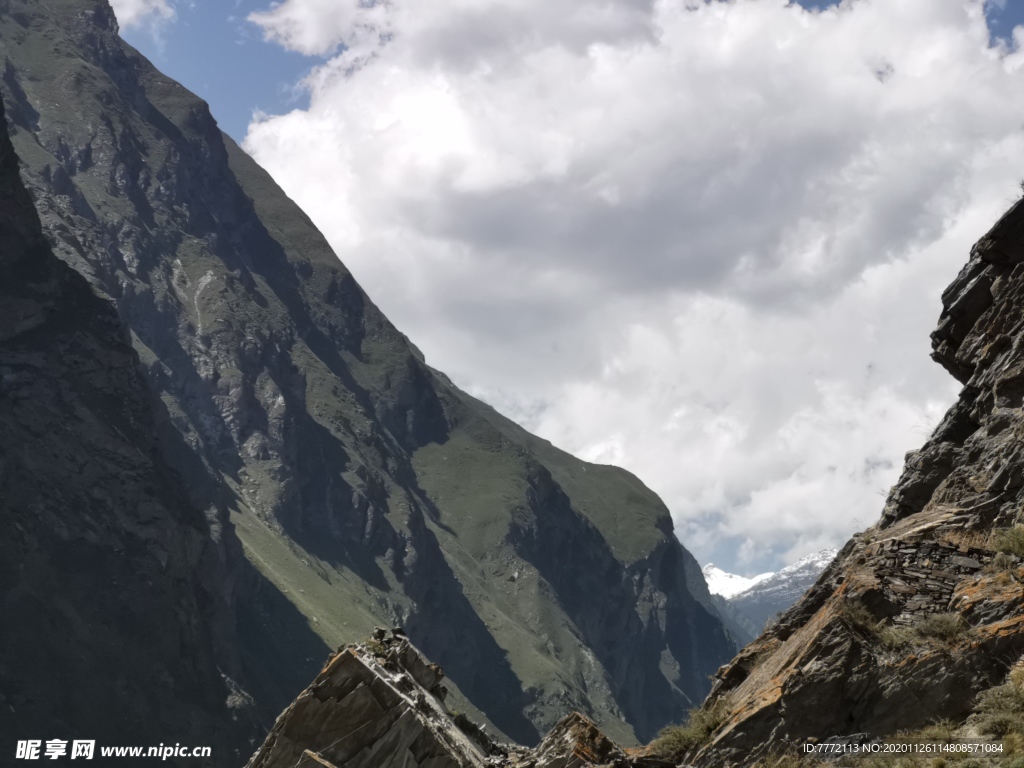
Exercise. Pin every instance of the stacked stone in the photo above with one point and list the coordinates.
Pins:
(921, 576)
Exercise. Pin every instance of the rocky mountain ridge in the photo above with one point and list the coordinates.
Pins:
(340, 481)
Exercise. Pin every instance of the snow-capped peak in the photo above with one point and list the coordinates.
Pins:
(816, 561)
(729, 584)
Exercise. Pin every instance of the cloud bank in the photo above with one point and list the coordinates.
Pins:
(701, 240)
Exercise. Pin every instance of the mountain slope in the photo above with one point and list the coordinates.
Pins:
(112, 585)
(921, 614)
(363, 486)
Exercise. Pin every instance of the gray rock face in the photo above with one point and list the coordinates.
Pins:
(365, 712)
(343, 483)
(111, 582)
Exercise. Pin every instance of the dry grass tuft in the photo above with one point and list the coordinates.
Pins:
(962, 537)
(858, 616)
(1009, 541)
(943, 627)
(676, 740)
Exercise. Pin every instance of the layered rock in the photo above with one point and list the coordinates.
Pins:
(924, 611)
(362, 485)
(380, 704)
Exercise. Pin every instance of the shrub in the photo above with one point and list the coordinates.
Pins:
(676, 740)
(1003, 562)
(1010, 541)
(858, 616)
(1017, 677)
(895, 637)
(945, 627)
(1013, 744)
(1001, 711)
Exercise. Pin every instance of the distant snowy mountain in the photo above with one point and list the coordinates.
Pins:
(729, 584)
(753, 601)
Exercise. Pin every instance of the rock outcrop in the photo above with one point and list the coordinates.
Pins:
(380, 704)
(923, 612)
(340, 481)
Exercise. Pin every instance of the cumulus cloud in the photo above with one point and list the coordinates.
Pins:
(139, 13)
(702, 240)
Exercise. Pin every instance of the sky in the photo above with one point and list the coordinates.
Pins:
(704, 241)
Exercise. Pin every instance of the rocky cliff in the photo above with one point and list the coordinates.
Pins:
(114, 618)
(919, 618)
(342, 481)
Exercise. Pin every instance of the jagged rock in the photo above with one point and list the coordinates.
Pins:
(836, 664)
(370, 707)
(361, 713)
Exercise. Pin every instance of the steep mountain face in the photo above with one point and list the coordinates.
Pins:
(363, 487)
(111, 582)
(923, 612)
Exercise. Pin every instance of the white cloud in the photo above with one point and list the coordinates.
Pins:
(702, 240)
(139, 13)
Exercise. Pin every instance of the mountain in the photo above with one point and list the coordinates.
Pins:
(728, 584)
(746, 604)
(777, 592)
(919, 619)
(113, 608)
(311, 476)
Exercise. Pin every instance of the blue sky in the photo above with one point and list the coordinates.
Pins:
(213, 50)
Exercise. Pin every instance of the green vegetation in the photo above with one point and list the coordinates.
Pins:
(676, 740)
(376, 647)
